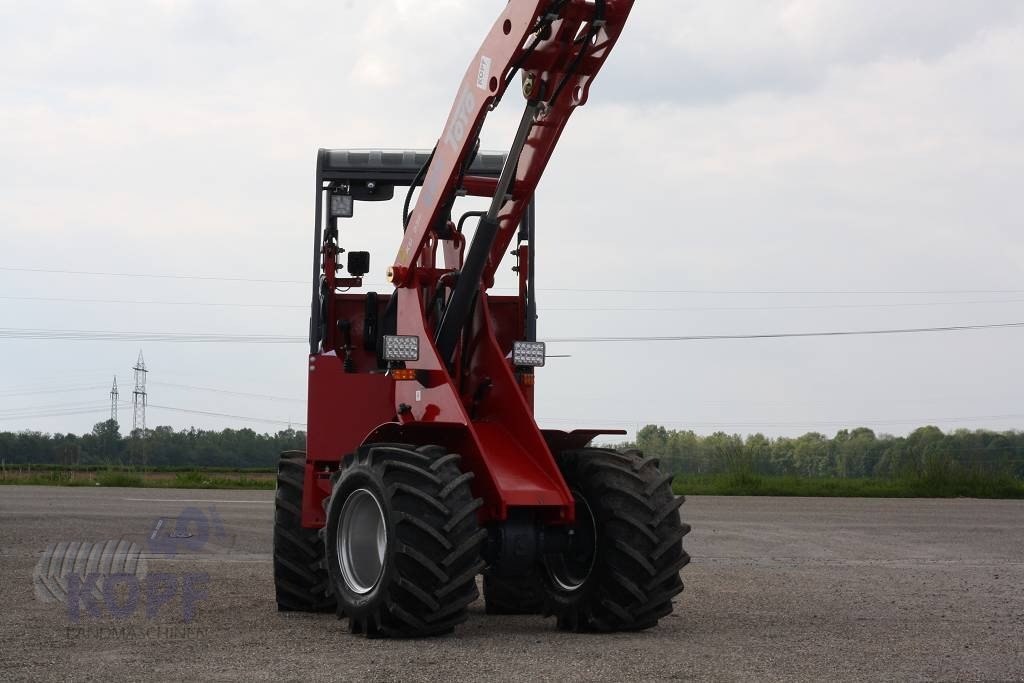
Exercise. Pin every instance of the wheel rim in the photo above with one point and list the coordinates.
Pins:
(361, 541)
(571, 569)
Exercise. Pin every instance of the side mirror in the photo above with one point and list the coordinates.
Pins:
(358, 263)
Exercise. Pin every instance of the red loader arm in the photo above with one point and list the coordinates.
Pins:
(559, 46)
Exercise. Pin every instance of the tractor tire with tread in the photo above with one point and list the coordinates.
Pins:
(300, 580)
(432, 541)
(637, 548)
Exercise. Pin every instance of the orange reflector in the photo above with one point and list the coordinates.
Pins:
(526, 379)
(403, 373)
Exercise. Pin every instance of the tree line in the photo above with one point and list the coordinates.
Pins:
(158, 447)
(850, 453)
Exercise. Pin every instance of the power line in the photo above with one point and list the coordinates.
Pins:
(785, 292)
(236, 417)
(102, 408)
(558, 309)
(75, 376)
(151, 303)
(88, 407)
(57, 390)
(227, 391)
(916, 304)
(785, 335)
(809, 423)
(108, 335)
(161, 276)
(50, 406)
(930, 398)
(780, 292)
(98, 409)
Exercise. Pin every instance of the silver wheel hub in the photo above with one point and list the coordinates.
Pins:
(570, 570)
(361, 541)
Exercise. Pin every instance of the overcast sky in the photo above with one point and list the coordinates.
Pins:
(728, 151)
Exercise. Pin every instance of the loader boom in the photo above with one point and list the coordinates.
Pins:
(557, 46)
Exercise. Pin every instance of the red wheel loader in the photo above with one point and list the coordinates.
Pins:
(424, 465)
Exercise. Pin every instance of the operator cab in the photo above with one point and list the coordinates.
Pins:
(351, 324)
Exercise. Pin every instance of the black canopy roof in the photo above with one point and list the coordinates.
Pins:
(392, 166)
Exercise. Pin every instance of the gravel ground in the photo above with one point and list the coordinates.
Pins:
(779, 588)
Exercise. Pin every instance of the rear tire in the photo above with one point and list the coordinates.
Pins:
(403, 541)
(628, 519)
(300, 580)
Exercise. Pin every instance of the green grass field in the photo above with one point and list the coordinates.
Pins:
(971, 485)
(937, 485)
(49, 467)
(217, 478)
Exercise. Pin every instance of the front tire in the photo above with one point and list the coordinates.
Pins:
(621, 569)
(403, 541)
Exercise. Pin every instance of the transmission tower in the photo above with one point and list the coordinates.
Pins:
(139, 395)
(113, 401)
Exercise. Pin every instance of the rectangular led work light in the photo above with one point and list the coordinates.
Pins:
(528, 353)
(401, 347)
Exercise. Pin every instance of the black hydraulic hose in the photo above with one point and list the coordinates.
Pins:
(595, 25)
(417, 179)
(545, 21)
(468, 215)
(468, 283)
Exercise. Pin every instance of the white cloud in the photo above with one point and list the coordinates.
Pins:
(705, 52)
(727, 146)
